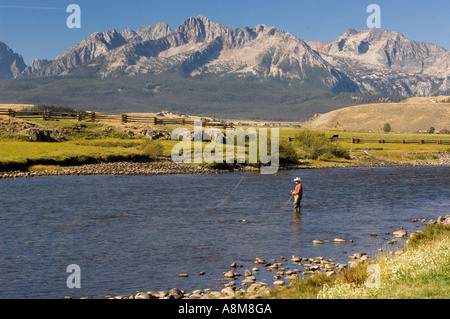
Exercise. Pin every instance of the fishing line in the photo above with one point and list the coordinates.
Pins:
(284, 204)
(211, 209)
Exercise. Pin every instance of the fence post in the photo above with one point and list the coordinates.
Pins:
(422, 142)
(11, 113)
(155, 121)
(182, 121)
(124, 118)
(47, 115)
(93, 116)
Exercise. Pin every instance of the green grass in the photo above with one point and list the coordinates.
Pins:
(95, 141)
(390, 152)
(21, 153)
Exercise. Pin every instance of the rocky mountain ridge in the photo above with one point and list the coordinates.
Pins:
(361, 61)
(11, 63)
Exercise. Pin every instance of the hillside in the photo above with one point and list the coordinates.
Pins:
(208, 95)
(410, 115)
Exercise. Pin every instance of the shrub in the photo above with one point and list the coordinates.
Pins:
(153, 149)
(315, 144)
(287, 152)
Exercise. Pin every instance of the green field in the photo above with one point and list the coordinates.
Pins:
(105, 141)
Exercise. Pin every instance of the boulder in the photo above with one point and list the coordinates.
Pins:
(228, 291)
(144, 295)
(295, 259)
(39, 135)
(279, 283)
(249, 280)
(291, 277)
(230, 274)
(176, 293)
(399, 233)
(444, 220)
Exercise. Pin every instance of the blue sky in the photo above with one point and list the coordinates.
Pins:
(37, 29)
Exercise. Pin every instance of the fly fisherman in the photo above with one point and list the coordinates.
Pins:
(298, 192)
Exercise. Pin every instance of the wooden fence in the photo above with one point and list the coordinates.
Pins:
(128, 118)
(354, 140)
(123, 117)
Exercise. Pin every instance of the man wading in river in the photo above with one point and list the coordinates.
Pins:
(298, 192)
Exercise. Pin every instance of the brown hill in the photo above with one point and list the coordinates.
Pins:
(409, 116)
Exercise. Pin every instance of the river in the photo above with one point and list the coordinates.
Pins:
(137, 233)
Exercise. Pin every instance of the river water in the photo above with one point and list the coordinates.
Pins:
(137, 233)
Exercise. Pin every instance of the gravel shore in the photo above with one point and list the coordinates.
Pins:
(168, 167)
(119, 168)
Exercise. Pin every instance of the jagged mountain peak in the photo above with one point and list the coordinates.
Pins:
(201, 29)
(388, 62)
(11, 63)
(369, 61)
(386, 50)
(150, 32)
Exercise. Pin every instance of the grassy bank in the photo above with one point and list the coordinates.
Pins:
(109, 141)
(367, 153)
(422, 272)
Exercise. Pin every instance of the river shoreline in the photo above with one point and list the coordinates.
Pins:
(285, 270)
(165, 166)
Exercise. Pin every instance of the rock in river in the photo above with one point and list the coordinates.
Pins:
(399, 233)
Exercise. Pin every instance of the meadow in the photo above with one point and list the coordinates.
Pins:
(108, 141)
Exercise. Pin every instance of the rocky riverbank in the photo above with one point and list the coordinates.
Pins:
(284, 271)
(119, 168)
(166, 166)
(443, 159)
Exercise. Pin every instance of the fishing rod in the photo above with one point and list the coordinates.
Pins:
(240, 181)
